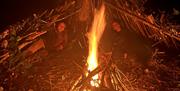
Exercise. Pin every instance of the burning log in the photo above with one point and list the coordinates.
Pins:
(111, 78)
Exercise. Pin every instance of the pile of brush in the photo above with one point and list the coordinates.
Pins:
(57, 30)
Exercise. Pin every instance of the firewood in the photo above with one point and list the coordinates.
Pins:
(35, 46)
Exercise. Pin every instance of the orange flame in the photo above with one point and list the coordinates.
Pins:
(94, 36)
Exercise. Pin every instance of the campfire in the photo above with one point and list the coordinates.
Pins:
(63, 49)
(94, 36)
(98, 79)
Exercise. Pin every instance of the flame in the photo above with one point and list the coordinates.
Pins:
(94, 36)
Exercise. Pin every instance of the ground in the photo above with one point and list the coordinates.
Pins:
(57, 72)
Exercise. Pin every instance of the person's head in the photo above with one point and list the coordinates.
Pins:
(61, 27)
(116, 26)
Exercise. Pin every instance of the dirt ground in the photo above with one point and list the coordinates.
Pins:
(45, 71)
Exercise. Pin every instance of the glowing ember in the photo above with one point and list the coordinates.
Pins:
(94, 37)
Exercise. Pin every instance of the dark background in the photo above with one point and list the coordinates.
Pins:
(16, 10)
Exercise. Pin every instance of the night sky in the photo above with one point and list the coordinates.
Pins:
(16, 10)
